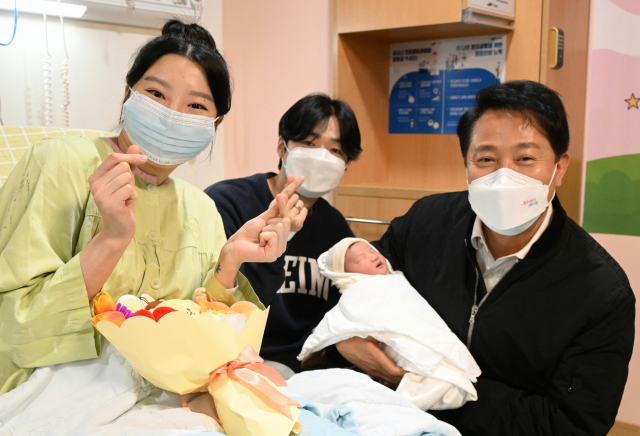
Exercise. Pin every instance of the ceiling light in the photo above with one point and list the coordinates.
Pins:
(45, 7)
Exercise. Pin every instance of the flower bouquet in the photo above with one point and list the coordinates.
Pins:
(184, 347)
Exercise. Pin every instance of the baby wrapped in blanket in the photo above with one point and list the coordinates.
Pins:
(379, 302)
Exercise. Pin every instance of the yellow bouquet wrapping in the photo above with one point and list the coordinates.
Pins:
(184, 352)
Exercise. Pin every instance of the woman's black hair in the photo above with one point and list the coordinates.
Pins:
(299, 121)
(538, 104)
(195, 43)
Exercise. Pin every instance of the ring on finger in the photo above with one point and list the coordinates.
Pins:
(299, 207)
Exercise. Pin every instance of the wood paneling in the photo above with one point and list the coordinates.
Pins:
(364, 15)
(368, 232)
(427, 162)
(523, 44)
(436, 31)
(624, 429)
(363, 82)
(570, 82)
(544, 42)
(383, 190)
(383, 209)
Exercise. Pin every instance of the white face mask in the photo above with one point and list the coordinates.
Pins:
(322, 171)
(508, 202)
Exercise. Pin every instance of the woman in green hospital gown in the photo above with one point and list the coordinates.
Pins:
(80, 215)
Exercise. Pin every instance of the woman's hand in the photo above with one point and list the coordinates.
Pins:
(262, 239)
(113, 188)
(367, 355)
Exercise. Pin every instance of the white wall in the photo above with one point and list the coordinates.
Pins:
(99, 59)
(99, 56)
(208, 168)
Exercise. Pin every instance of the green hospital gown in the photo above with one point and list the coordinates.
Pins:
(47, 216)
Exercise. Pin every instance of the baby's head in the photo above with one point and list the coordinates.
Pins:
(362, 258)
(355, 255)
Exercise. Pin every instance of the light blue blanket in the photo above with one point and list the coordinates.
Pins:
(337, 420)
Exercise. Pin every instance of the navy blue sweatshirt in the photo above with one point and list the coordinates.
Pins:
(292, 285)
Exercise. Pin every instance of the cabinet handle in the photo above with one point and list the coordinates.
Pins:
(556, 48)
(360, 220)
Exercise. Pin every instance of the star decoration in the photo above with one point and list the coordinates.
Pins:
(633, 102)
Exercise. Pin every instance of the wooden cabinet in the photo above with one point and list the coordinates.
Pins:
(378, 203)
(570, 81)
(396, 169)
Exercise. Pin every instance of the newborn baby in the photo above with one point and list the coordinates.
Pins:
(379, 302)
(362, 258)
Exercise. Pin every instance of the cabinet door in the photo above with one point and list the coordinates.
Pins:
(367, 15)
(570, 81)
(371, 208)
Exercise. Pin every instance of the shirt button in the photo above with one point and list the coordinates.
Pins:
(155, 283)
(153, 236)
(152, 188)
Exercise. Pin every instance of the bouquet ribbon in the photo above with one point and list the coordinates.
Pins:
(245, 369)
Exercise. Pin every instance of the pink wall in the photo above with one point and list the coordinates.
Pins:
(614, 61)
(278, 51)
(626, 251)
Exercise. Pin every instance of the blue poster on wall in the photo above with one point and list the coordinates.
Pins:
(432, 83)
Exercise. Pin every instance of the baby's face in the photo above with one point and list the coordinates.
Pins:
(363, 259)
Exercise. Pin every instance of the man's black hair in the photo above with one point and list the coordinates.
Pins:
(299, 121)
(538, 105)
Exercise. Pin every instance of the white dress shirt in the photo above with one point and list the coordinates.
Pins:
(493, 270)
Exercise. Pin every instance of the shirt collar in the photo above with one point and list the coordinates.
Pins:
(145, 176)
(477, 235)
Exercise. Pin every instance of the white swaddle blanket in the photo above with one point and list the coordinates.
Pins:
(387, 308)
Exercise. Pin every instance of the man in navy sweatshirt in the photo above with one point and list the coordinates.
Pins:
(318, 137)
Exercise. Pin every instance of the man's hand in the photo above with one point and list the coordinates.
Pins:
(367, 355)
(262, 239)
(312, 360)
(297, 211)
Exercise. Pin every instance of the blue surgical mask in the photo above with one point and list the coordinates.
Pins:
(166, 137)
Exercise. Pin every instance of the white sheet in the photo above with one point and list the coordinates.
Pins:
(389, 309)
(103, 396)
(378, 410)
(106, 396)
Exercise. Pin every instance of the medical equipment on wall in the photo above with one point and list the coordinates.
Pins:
(48, 99)
(43, 7)
(47, 64)
(64, 77)
(15, 23)
(139, 13)
(195, 4)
